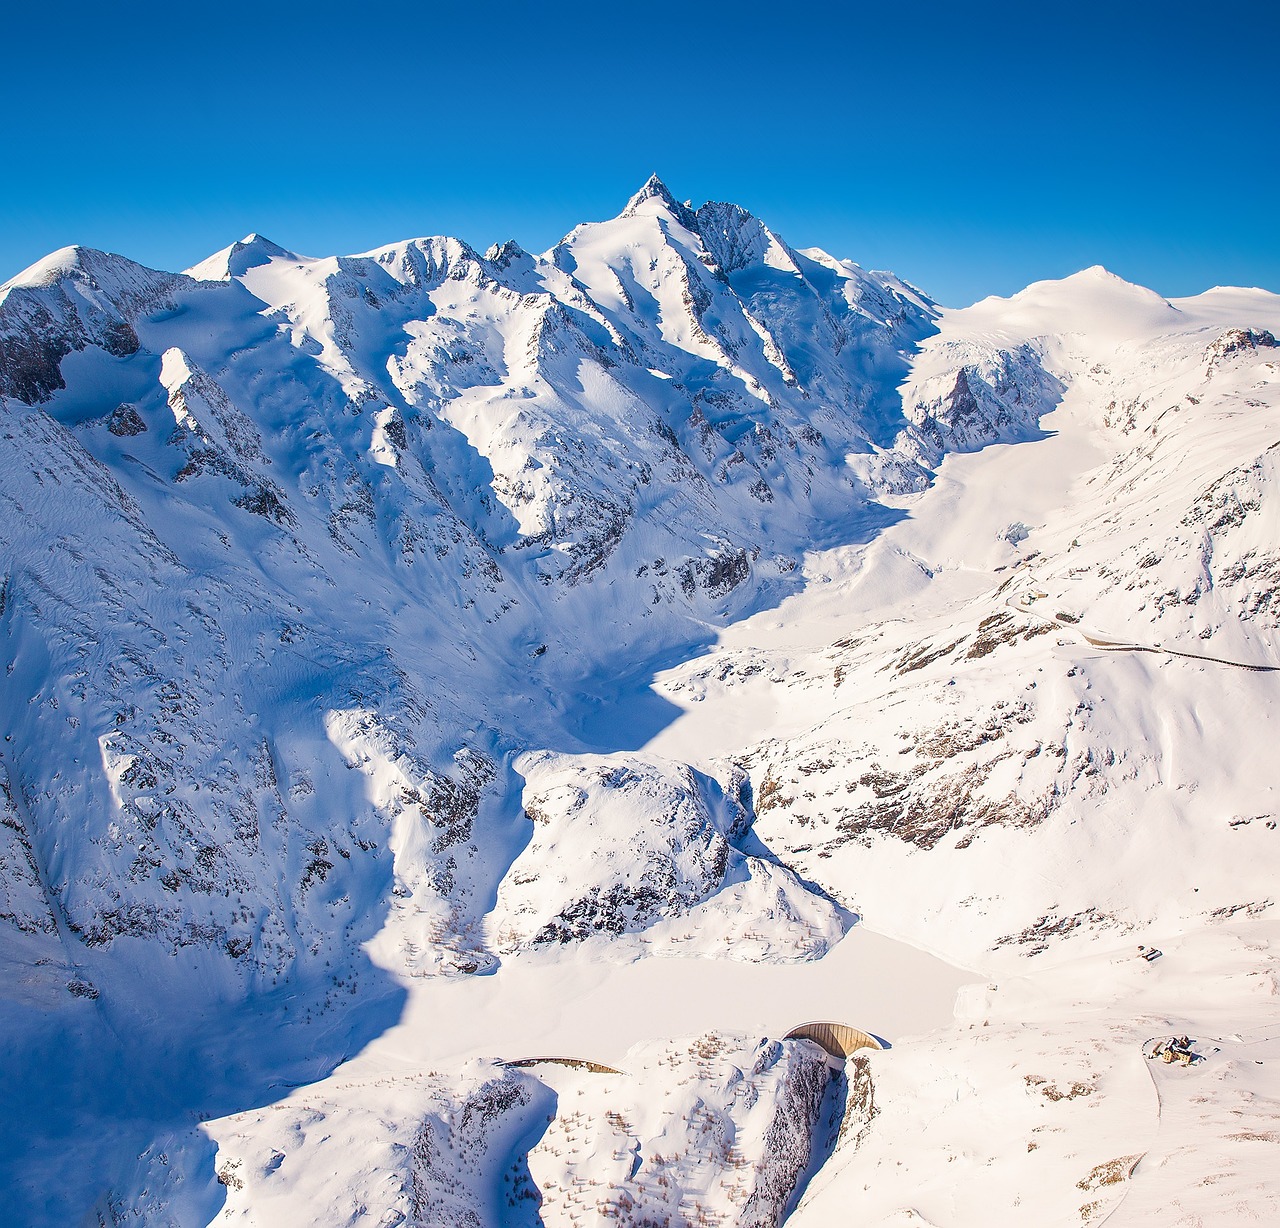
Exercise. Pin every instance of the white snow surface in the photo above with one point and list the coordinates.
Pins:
(425, 660)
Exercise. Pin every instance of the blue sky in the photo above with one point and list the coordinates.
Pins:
(971, 148)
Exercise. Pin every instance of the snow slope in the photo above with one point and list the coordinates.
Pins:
(426, 658)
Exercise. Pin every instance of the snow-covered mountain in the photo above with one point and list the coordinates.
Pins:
(405, 646)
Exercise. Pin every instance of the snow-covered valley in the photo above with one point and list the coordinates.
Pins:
(426, 660)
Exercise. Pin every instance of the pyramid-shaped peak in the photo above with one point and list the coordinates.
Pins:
(655, 190)
(1097, 279)
(65, 262)
(653, 186)
(234, 261)
(123, 281)
(505, 254)
(260, 247)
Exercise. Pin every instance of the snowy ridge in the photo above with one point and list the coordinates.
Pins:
(407, 645)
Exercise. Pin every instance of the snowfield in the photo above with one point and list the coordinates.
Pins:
(426, 661)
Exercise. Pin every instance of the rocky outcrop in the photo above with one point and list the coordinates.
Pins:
(661, 841)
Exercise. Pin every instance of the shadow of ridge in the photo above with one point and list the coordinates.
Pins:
(612, 705)
(825, 1137)
(502, 815)
(522, 1196)
(615, 707)
(105, 1099)
(751, 844)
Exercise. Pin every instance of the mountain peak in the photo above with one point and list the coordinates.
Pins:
(655, 190)
(45, 272)
(503, 255)
(1098, 272)
(254, 249)
(1103, 281)
(653, 186)
(78, 262)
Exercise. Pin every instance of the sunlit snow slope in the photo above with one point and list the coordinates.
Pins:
(380, 627)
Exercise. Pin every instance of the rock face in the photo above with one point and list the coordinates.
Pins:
(729, 1143)
(1237, 341)
(22, 900)
(985, 395)
(660, 842)
(76, 299)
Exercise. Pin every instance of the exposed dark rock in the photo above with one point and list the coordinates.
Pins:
(125, 421)
(119, 339)
(719, 575)
(788, 1138)
(265, 500)
(30, 362)
(1237, 340)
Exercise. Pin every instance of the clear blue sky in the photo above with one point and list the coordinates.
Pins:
(970, 147)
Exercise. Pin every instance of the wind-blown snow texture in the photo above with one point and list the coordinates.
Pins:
(332, 597)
